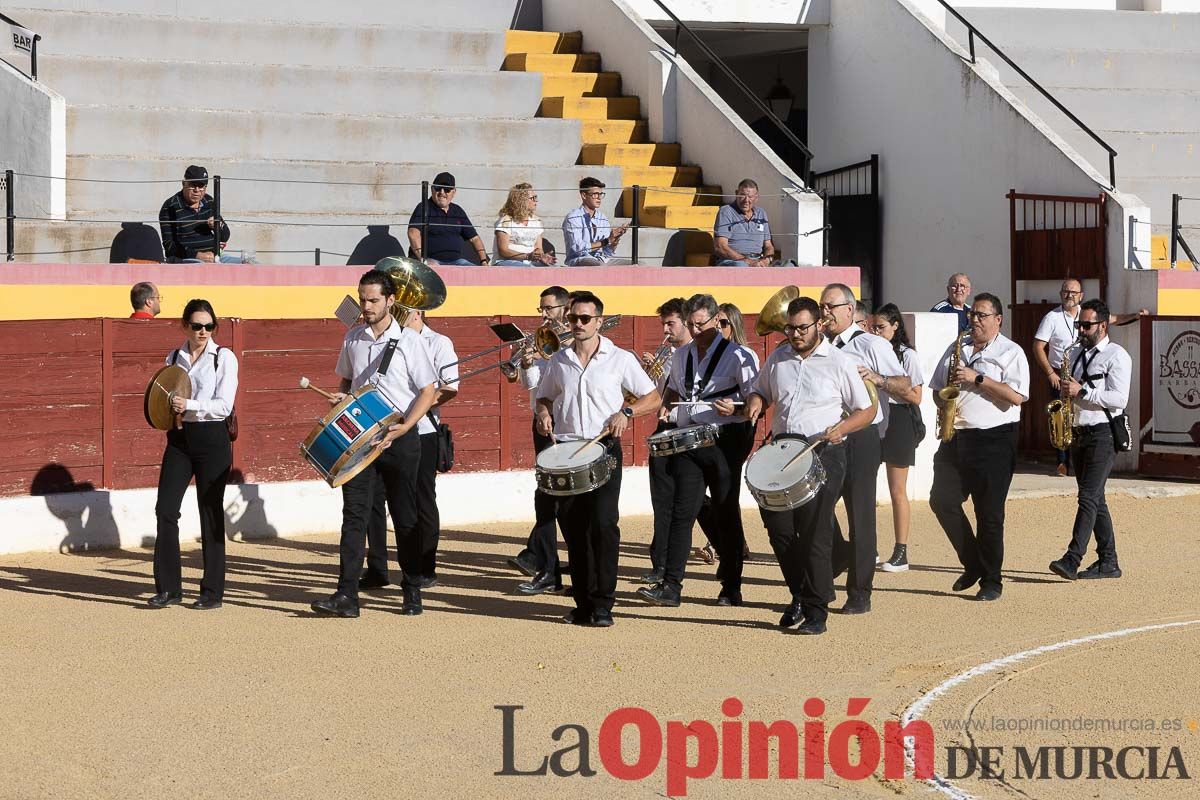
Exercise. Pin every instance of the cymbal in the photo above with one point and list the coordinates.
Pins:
(166, 383)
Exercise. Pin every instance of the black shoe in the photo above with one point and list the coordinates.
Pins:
(791, 615)
(207, 603)
(1099, 570)
(729, 598)
(339, 605)
(426, 581)
(660, 595)
(602, 619)
(522, 563)
(164, 599)
(988, 594)
(811, 627)
(1063, 569)
(577, 617)
(652, 577)
(964, 582)
(542, 582)
(412, 602)
(373, 580)
(856, 605)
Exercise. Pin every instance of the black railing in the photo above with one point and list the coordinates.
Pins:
(973, 32)
(10, 216)
(32, 46)
(855, 180)
(763, 108)
(1177, 240)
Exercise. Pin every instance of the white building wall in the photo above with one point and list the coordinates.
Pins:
(33, 140)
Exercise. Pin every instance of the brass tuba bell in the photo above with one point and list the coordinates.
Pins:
(418, 287)
(774, 314)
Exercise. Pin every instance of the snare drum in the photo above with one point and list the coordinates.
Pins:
(777, 487)
(560, 472)
(340, 446)
(680, 440)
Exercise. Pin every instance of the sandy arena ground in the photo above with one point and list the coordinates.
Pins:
(105, 698)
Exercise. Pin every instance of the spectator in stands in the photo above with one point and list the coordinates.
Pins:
(519, 231)
(449, 227)
(188, 222)
(861, 316)
(742, 235)
(146, 301)
(958, 289)
(589, 237)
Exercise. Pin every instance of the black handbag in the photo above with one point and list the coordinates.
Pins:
(1121, 434)
(445, 444)
(918, 422)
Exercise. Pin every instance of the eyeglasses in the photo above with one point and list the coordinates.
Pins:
(443, 190)
(1087, 326)
(1069, 292)
(832, 306)
(966, 287)
(698, 324)
(582, 319)
(203, 326)
(788, 330)
(980, 314)
(544, 309)
(595, 194)
(723, 323)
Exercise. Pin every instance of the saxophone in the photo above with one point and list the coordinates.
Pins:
(948, 410)
(1062, 409)
(655, 368)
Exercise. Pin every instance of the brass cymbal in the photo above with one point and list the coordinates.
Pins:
(166, 383)
(773, 316)
(417, 285)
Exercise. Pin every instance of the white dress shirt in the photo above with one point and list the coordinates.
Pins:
(738, 368)
(214, 381)
(810, 394)
(441, 352)
(410, 371)
(1057, 329)
(583, 398)
(1112, 368)
(1002, 360)
(874, 353)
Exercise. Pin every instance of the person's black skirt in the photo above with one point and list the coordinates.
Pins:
(899, 446)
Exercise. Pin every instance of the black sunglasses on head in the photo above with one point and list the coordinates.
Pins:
(203, 326)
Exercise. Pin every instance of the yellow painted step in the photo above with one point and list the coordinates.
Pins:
(581, 84)
(697, 259)
(678, 196)
(701, 217)
(614, 131)
(590, 107)
(630, 155)
(552, 62)
(1160, 253)
(661, 176)
(542, 42)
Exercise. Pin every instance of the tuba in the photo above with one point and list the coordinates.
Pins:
(418, 287)
(1062, 409)
(947, 411)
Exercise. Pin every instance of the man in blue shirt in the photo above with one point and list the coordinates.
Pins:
(591, 240)
(958, 289)
(742, 235)
(449, 227)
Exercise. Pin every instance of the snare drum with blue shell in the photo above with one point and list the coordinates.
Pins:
(340, 446)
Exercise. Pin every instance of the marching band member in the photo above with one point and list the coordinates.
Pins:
(198, 445)
(1099, 385)
(878, 364)
(978, 462)
(661, 468)
(429, 524)
(381, 352)
(580, 397)
(812, 385)
(709, 368)
(1055, 333)
(539, 560)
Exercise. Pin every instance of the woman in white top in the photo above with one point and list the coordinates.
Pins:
(519, 231)
(198, 445)
(899, 445)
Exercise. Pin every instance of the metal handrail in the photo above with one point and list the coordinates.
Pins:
(1177, 239)
(37, 37)
(972, 32)
(746, 90)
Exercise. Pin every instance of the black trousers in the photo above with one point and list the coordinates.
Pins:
(394, 474)
(1094, 455)
(978, 464)
(429, 521)
(719, 469)
(802, 539)
(542, 546)
(199, 449)
(863, 457)
(590, 524)
(662, 496)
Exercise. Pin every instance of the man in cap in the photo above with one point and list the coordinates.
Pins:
(189, 224)
(448, 227)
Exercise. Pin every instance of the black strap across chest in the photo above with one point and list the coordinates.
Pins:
(840, 344)
(689, 373)
(387, 356)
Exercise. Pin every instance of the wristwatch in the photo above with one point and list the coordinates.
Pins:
(978, 379)
(628, 412)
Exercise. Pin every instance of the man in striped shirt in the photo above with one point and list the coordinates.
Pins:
(187, 220)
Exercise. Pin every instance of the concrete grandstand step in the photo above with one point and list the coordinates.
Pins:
(1103, 67)
(631, 155)
(291, 88)
(294, 42)
(701, 217)
(1075, 29)
(614, 131)
(586, 84)
(516, 41)
(590, 107)
(1143, 153)
(1139, 109)
(686, 175)
(165, 132)
(545, 62)
(465, 14)
(679, 196)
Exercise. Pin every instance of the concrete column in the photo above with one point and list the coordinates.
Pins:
(661, 76)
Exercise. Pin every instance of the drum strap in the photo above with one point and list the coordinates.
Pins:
(689, 374)
(387, 356)
(853, 336)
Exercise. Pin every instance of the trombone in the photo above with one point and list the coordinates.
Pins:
(542, 343)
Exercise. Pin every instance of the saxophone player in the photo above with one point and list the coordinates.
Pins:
(978, 461)
(1055, 333)
(1099, 387)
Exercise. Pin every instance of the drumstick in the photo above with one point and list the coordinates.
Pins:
(304, 384)
(811, 445)
(704, 403)
(603, 433)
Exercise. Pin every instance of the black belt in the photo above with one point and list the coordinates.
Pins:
(1099, 427)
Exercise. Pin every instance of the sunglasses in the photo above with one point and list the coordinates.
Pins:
(723, 323)
(582, 319)
(1087, 326)
(203, 326)
(443, 190)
